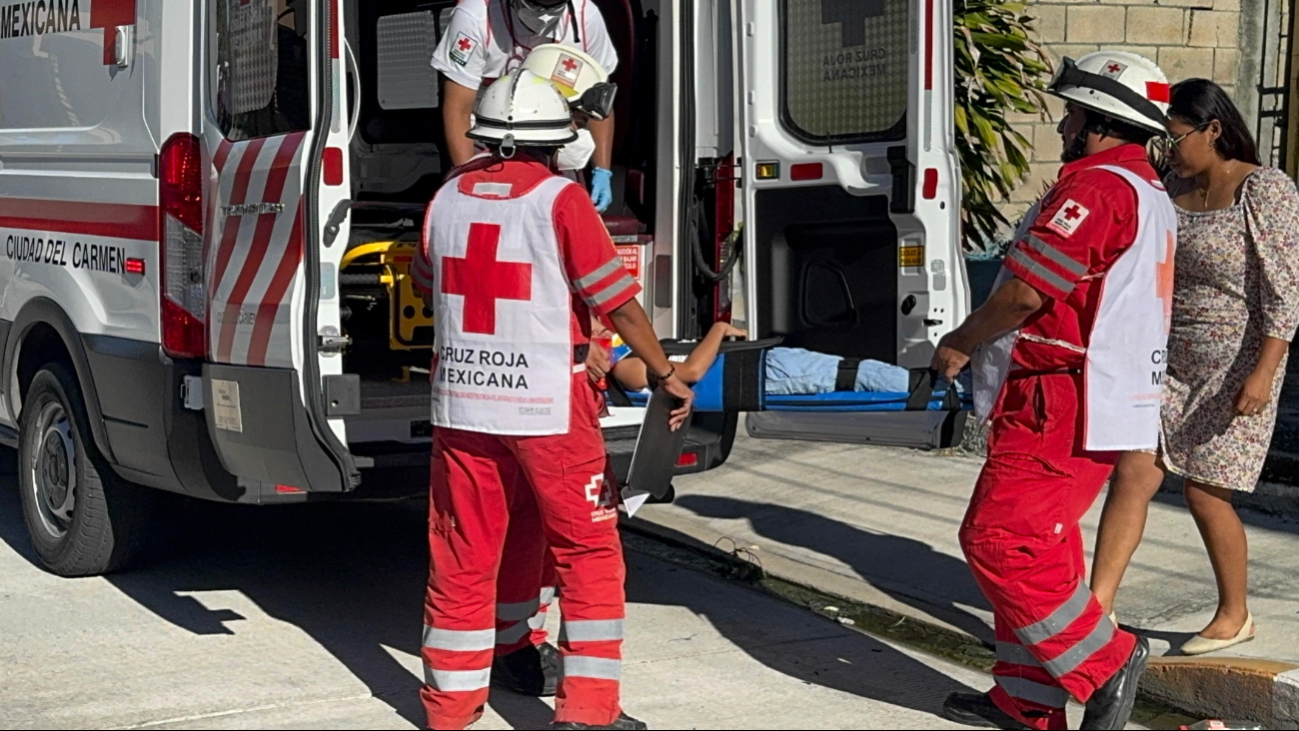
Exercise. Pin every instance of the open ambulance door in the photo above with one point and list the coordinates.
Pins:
(261, 294)
(850, 200)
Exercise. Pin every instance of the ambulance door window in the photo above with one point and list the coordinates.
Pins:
(844, 69)
(260, 68)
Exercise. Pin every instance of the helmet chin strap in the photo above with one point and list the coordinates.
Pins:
(1077, 147)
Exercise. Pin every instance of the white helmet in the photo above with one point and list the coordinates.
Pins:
(580, 78)
(1117, 84)
(522, 109)
(570, 70)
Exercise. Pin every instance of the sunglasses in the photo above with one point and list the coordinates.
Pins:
(1166, 145)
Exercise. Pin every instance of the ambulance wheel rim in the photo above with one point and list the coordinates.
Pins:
(54, 470)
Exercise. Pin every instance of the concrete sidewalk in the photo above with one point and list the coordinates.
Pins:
(879, 526)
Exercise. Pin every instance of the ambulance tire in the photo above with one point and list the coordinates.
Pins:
(97, 524)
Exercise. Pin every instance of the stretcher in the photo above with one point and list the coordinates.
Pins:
(736, 382)
(386, 265)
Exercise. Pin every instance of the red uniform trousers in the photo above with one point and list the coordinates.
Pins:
(1022, 541)
(480, 483)
(525, 584)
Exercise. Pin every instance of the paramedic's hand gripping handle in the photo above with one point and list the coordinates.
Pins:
(924, 383)
(1006, 309)
(634, 326)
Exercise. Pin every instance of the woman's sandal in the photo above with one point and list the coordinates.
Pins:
(1198, 645)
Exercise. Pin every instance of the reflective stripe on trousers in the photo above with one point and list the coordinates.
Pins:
(522, 618)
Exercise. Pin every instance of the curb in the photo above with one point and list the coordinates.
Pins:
(1227, 687)
(1262, 691)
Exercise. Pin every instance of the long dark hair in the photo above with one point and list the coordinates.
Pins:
(1198, 102)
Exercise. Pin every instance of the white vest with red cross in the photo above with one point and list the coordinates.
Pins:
(1123, 371)
(502, 311)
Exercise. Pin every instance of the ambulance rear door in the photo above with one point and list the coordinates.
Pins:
(850, 194)
(274, 133)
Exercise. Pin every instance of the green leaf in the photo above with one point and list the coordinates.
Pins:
(1000, 69)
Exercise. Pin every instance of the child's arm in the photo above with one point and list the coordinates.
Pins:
(630, 371)
(705, 353)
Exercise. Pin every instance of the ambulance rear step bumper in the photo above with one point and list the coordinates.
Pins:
(394, 470)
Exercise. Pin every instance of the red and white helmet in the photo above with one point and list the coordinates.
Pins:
(1118, 84)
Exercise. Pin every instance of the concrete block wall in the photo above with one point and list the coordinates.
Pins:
(1187, 38)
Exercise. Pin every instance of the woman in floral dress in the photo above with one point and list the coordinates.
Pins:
(1235, 308)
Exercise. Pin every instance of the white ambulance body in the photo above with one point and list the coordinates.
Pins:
(186, 187)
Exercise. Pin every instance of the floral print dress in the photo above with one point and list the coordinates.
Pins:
(1237, 282)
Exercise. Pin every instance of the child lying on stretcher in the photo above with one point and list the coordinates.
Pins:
(790, 371)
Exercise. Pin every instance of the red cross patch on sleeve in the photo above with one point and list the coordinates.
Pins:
(1067, 220)
(462, 48)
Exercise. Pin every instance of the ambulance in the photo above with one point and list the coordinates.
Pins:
(208, 210)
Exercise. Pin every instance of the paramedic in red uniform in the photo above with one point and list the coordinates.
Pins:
(1069, 366)
(517, 259)
(486, 39)
(525, 662)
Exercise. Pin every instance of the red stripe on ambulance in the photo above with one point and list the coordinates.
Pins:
(112, 220)
(252, 262)
(238, 193)
(275, 292)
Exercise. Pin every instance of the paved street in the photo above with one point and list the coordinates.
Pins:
(308, 617)
(886, 521)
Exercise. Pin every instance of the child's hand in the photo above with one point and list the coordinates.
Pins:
(735, 332)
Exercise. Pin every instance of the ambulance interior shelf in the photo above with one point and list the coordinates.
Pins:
(736, 382)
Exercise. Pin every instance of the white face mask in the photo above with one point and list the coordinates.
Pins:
(576, 154)
(539, 20)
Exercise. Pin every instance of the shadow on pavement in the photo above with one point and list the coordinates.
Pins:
(906, 569)
(352, 576)
(791, 641)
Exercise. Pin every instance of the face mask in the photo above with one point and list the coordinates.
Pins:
(576, 154)
(539, 20)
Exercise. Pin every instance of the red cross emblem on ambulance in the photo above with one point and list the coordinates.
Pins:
(482, 279)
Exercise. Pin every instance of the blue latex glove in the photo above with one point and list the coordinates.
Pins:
(601, 190)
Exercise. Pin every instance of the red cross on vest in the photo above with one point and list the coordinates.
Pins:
(1164, 285)
(466, 44)
(481, 279)
(1071, 213)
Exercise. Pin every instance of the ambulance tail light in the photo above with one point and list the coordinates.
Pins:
(180, 210)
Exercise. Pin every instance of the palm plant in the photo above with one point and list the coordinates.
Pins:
(999, 69)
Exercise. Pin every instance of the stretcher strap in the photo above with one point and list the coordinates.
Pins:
(846, 378)
(924, 384)
(616, 393)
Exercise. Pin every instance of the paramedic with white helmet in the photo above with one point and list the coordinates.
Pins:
(516, 260)
(1069, 366)
(486, 39)
(526, 662)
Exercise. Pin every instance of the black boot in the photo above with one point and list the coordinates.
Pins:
(1110, 706)
(530, 671)
(622, 723)
(978, 710)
